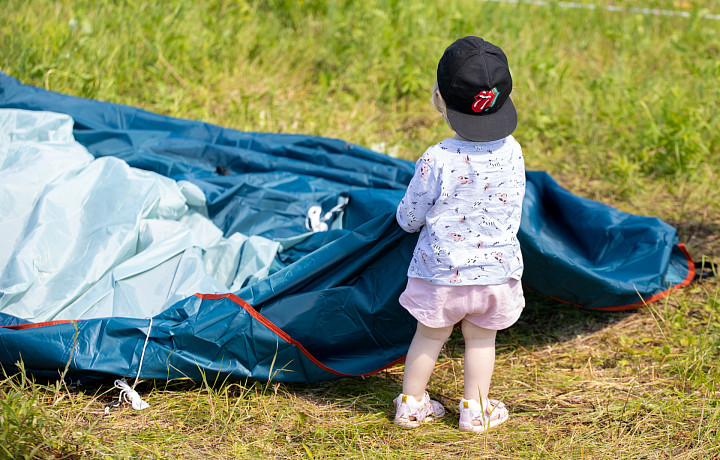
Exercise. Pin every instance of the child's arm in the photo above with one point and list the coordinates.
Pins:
(423, 190)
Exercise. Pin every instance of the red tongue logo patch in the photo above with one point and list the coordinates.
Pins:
(485, 99)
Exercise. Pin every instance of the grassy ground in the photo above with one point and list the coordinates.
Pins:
(618, 107)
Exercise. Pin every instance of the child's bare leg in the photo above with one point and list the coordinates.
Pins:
(421, 358)
(479, 361)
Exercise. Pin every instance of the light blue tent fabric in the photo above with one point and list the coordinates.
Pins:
(91, 238)
(327, 304)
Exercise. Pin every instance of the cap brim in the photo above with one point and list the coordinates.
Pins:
(485, 128)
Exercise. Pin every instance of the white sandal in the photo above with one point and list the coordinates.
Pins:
(474, 418)
(410, 413)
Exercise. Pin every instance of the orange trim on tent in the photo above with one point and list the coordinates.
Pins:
(654, 298)
(270, 325)
(34, 325)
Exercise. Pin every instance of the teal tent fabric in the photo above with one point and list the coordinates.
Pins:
(327, 306)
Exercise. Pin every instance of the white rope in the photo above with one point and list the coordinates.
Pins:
(128, 393)
(316, 221)
(142, 354)
(617, 9)
(129, 396)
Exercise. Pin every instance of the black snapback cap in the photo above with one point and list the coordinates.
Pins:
(474, 80)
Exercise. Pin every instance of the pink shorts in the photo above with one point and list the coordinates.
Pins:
(491, 307)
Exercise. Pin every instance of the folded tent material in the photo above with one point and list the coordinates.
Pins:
(325, 303)
(92, 238)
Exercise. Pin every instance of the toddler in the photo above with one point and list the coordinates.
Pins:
(465, 199)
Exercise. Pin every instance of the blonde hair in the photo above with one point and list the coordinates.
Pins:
(439, 103)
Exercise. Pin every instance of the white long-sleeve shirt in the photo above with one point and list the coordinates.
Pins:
(466, 200)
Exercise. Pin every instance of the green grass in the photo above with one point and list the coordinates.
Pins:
(618, 107)
(626, 98)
